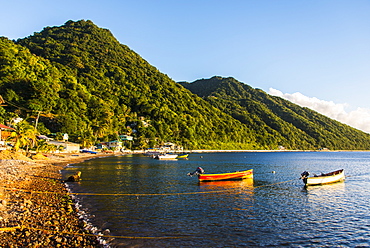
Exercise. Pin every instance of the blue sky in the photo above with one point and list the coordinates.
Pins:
(315, 51)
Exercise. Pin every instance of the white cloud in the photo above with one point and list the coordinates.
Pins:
(359, 118)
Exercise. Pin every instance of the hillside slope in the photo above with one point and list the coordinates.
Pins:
(100, 88)
(280, 121)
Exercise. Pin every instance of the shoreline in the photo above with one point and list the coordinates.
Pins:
(31, 218)
(212, 151)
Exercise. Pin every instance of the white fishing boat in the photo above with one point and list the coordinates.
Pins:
(166, 156)
(331, 177)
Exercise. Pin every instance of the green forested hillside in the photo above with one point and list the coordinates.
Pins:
(89, 85)
(80, 80)
(276, 121)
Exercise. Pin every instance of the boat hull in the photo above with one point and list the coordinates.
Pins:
(238, 175)
(332, 177)
(166, 157)
(183, 156)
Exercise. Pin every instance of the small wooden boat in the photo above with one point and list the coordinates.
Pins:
(166, 156)
(183, 156)
(88, 151)
(237, 175)
(331, 177)
(248, 182)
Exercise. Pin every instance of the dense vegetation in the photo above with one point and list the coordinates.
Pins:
(276, 121)
(87, 84)
(78, 79)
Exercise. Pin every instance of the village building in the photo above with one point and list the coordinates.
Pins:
(171, 147)
(68, 147)
(114, 145)
(126, 137)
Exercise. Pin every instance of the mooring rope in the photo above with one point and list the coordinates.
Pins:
(118, 194)
(12, 229)
(143, 194)
(267, 185)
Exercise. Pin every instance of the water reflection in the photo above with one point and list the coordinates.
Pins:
(227, 184)
(327, 194)
(326, 187)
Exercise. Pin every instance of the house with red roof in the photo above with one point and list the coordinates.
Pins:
(4, 133)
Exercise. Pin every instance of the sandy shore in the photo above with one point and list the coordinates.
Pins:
(31, 219)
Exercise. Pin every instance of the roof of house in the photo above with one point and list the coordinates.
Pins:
(5, 127)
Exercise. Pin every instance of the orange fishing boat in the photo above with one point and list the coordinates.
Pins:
(237, 175)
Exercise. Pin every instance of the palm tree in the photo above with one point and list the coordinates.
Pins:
(24, 135)
(87, 139)
(42, 146)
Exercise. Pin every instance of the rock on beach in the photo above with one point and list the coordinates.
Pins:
(32, 219)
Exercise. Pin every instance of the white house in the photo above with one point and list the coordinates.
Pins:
(126, 137)
(115, 144)
(69, 147)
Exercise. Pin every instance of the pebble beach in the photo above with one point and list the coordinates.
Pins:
(35, 209)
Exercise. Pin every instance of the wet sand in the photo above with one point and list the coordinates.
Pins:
(33, 219)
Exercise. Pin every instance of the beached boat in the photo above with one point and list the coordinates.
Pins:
(166, 156)
(331, 177)
(88, 151)
(237, 175)
(183, 156)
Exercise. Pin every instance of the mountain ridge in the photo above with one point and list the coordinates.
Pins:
(96, 89)
(280, 117)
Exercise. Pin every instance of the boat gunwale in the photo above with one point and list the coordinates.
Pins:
(333, 174)
(315, 180)
(236, 175)
(227, 173)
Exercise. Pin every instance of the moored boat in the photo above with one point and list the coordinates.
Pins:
(247, 182)
(331, 177)
(166, 156)
(237, 175)
(183, 156)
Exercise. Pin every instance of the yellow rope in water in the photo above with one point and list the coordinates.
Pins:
(119, 194)
(9, 229)
(143, 194)
(12, 229)
(274, 183)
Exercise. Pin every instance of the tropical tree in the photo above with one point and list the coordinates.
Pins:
(44, 146)
(24, 135)
(87, 138)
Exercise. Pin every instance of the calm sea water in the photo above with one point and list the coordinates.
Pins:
(158, 205)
